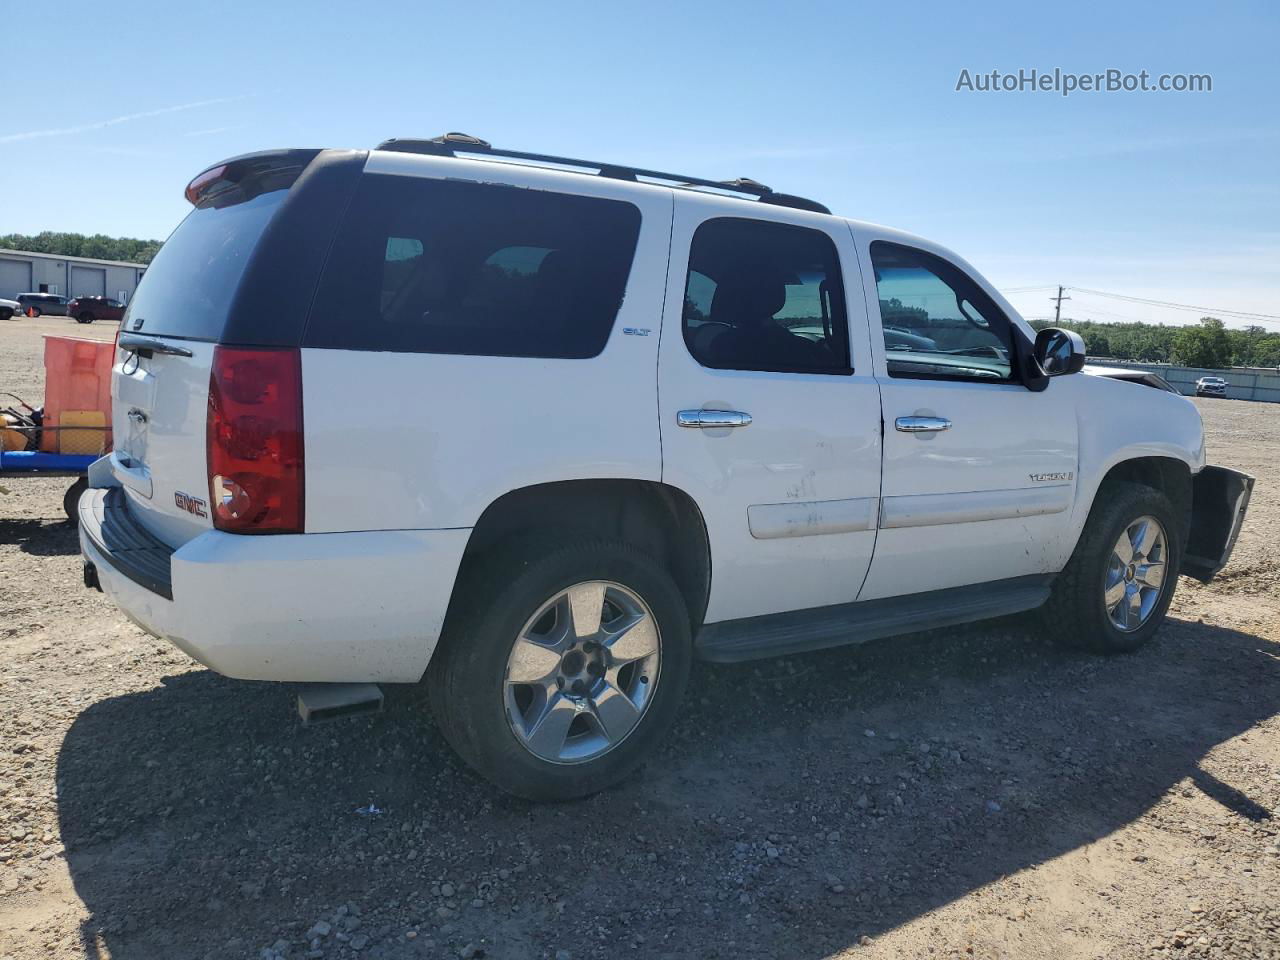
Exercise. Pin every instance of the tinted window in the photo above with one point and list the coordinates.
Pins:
(936, 321)
(188, 287)
(437, 266)
(765, 296)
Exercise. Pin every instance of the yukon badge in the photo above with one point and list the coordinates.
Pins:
(1046, 477)
(193, 505)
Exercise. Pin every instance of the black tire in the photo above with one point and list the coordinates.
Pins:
(5, 313)
(71, 500)
(85, 317)
(35, 312)
(1076, 614)
(494, 600)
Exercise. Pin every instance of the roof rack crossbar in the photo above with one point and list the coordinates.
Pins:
(451, 144)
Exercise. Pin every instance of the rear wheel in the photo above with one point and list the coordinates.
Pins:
(564, 666)
(6, 313)
(71, 500)
(1115, 591)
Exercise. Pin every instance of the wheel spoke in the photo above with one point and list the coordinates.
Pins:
(531, 662)
(1144, 539)
(1150, 574)
(1123, 549)
(636, 640)
(547, 734)
(1113, 595)
(1133, 608)
(615, 711)
(586, 605)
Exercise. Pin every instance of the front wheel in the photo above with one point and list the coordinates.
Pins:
(563, 667)
(85, 317)
(1117, 587)
(35, 312)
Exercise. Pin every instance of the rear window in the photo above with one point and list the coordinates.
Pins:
(188, 288)
(435, 266)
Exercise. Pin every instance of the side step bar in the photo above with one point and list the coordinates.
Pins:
(332, 701)
(800, 631)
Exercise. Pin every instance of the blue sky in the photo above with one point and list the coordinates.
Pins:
(1172, 196)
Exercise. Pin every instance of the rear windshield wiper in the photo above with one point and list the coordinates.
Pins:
(146, 346)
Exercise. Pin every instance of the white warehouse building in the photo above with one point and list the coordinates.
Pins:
(24, 272)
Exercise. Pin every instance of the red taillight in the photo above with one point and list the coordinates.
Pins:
(255, 440)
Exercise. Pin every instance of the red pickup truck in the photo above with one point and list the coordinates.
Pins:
(89, 309)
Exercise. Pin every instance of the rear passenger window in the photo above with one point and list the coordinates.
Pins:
(765, 296)
(435, 266)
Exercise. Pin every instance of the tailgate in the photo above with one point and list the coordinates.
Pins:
(159, 402)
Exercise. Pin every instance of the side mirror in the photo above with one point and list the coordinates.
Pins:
(1058, 352)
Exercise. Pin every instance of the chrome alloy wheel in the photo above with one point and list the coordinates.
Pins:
(1135, 574)
(582, 671)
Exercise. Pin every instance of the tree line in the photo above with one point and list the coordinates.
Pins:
(1206, 344)
(98, 246)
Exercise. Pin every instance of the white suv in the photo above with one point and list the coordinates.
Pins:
(1211, 387)
(545, 431)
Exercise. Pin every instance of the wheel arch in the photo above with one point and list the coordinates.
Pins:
(655, 516)
(1170, 475)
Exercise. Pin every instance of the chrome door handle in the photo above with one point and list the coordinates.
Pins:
(921, 424)
(704, 419)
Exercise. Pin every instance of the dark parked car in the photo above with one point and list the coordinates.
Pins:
(89, 309)
(50, 303)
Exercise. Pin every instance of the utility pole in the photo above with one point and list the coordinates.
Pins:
(1057, 309)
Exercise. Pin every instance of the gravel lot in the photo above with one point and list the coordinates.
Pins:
(969, 792)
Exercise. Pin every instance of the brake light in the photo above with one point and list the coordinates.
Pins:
(196, 186)
(254, 440)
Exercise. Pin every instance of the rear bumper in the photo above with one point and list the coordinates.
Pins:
(1220, 499)
(336, 607)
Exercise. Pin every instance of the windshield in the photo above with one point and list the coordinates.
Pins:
(188, 289)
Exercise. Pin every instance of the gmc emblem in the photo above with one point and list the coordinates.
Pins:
(193, 505)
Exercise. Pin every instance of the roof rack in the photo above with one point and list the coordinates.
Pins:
(451, 144)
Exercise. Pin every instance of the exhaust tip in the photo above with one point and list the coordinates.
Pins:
(319, 702)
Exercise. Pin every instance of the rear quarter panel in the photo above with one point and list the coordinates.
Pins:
(398, 441)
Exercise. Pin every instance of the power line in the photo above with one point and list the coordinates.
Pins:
(1151, 302)
(1239, 314)
(1108, 313)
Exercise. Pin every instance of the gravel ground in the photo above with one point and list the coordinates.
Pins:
(969, 793)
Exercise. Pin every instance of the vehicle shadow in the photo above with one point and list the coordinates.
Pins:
(799, 805)
(40, 538)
